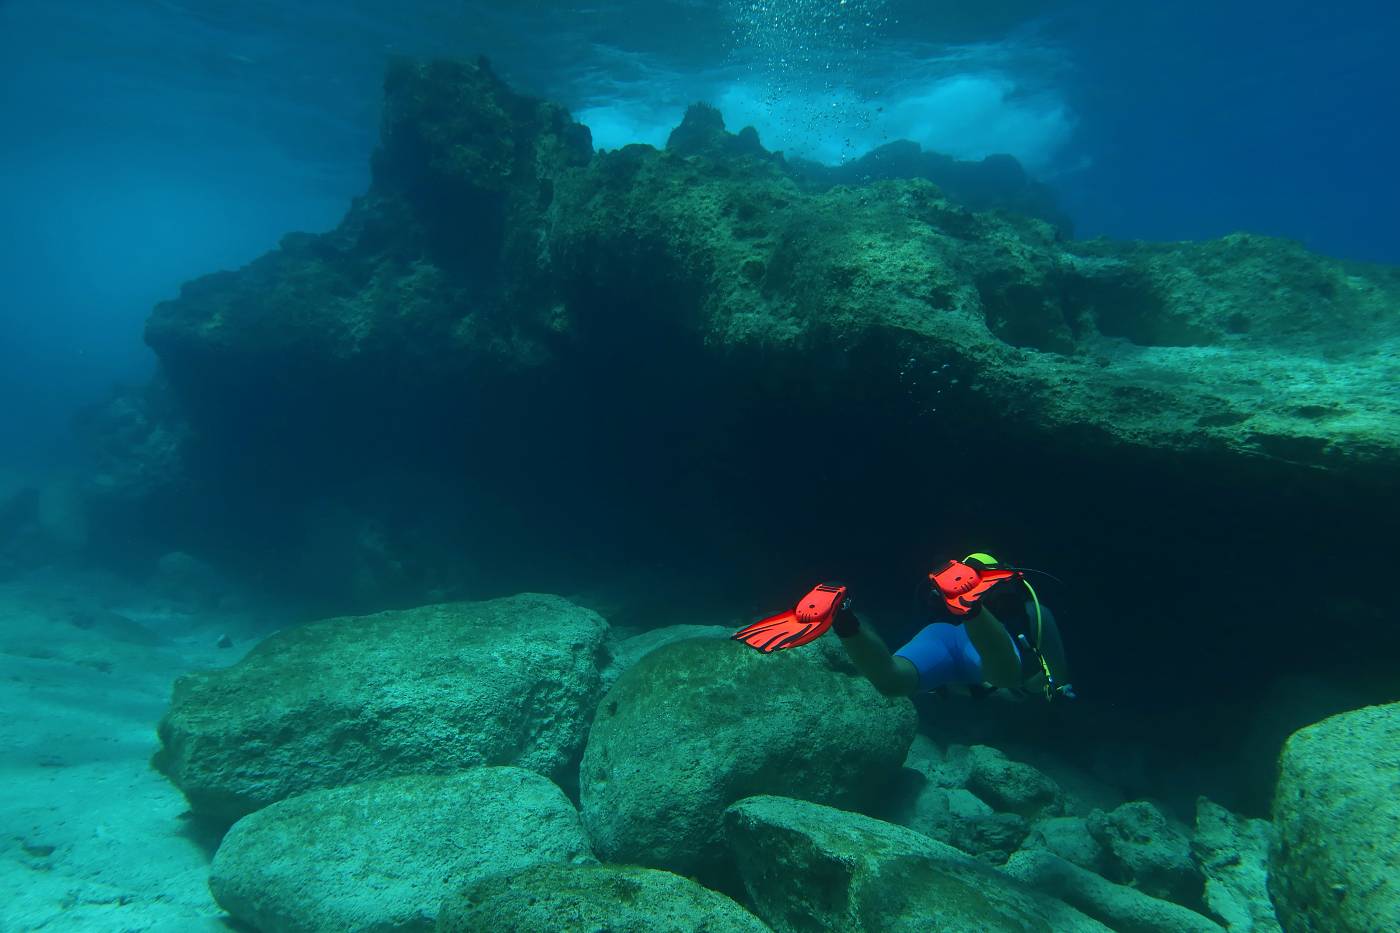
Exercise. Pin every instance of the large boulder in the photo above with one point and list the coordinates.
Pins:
(383, 855)
(614, 898)
(811, 867)
(420, 691)
(628, 651)
(1337, 864)
(699, 724)
(1233, 853)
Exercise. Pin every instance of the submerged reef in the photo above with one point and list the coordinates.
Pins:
(494, 242)
(522, 364)
(519, 363)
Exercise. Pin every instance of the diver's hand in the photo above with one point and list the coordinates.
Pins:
(846, 624)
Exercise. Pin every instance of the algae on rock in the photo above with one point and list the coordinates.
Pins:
(1337, 863)
(382, 855)
(419, 691)
(698, 724)
(615, 898)
(808, 866)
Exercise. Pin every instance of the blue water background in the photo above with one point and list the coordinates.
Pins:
(148, 141)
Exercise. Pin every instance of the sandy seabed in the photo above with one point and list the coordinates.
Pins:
(91, 837)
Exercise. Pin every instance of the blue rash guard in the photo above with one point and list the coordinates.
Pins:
(943, 654)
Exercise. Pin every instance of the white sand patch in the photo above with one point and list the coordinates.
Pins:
(91, 838)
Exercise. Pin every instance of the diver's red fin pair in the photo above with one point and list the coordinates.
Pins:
(806, 623)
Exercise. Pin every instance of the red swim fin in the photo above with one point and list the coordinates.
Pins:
(796, 627)
(774, 633)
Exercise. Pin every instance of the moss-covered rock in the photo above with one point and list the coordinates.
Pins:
(615, 898)
(629, 651)
(493, 238)
(1338, 818)
(382, 855)
(419, 691)
(814, 867)
(699, 724)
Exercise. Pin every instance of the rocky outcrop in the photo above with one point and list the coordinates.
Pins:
(1233, 853)
(599, 357)
(382, 855)
(813, 867)
(493, 240)
(996, 182)
(973, 798)
(1122, 908)
(1147, 849)
(615, 898)
(696, 725)
(1338, 820)
(962, 820)
(421, 691)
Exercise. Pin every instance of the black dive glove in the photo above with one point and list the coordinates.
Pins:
(845, 624)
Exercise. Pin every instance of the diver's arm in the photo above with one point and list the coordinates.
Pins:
(892, 676)
(1001, 666)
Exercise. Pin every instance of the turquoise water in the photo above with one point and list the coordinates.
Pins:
(396, 435)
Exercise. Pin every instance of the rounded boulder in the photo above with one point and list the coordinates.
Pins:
(1337, 863)
(430, 690)
(383, 855)
(699, 724)
(615, 898)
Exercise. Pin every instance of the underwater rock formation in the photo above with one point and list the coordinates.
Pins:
(1338, 820)
(614, 898)
(420, 691)
(383, 854)
(960, 819)
(493, 240)
(1125, 909)
(604, 359)
(629, 651)
(1233, 853)
(1149, 851)
(996, 182)
(698, 724)
(808, 866)
(1011, 786)
(1068, 838)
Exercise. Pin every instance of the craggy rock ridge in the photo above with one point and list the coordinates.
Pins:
(682, 352)
(491, 239)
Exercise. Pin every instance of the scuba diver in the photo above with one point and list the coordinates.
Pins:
(975, 652)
